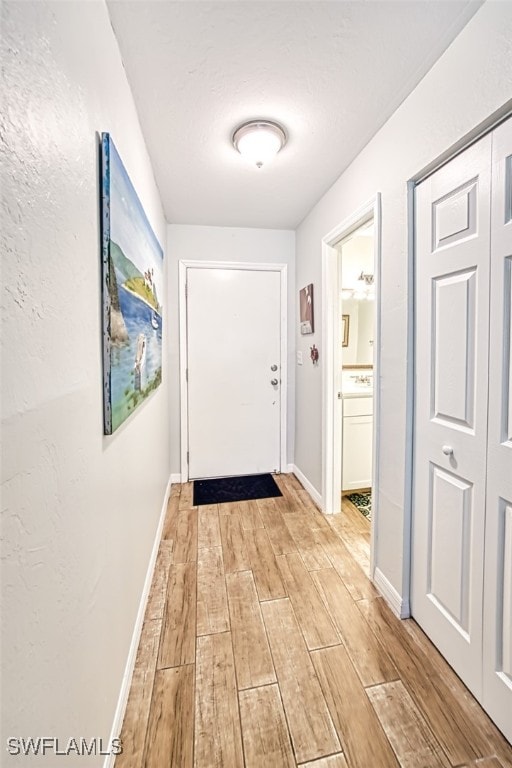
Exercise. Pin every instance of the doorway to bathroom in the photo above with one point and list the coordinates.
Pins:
(356, 276)
(351, 361)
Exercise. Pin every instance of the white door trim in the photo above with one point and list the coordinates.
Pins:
(486, 126)
(185, 264)
(331, 368)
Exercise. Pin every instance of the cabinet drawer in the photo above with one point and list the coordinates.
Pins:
(358, 406)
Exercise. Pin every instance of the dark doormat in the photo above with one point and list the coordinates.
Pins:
(244, 488)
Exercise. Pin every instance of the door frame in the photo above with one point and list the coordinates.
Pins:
(332, 426)
(183, 266)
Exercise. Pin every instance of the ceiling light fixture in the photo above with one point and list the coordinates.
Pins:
(259, 141)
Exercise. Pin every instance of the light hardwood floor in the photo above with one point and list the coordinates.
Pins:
(265, 645)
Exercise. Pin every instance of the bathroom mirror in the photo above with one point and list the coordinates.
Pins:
(357, 299)
(357, 324)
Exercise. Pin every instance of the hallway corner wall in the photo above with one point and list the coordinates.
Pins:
(79, 510)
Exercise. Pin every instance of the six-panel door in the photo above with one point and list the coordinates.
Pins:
(462, 513)
(452, 331)
(497, 680)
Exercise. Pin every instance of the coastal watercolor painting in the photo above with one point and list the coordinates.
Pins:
(133, 290)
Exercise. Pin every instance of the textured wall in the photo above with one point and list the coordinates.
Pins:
(79, 510)
(468, 83)
(228, 244)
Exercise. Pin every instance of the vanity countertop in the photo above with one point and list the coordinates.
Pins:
(356, 385)
(354, 390)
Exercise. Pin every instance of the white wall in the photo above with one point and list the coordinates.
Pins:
(471, 80)
(235, 245)
(79, 510)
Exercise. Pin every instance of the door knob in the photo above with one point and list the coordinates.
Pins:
(274, 382)
(447, 450)
(273, 367)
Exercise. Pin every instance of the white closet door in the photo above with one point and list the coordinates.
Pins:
(452, 329)
(497, 697)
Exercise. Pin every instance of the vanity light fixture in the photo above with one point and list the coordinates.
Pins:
(365, 280)
(364, 288)
(259, 141)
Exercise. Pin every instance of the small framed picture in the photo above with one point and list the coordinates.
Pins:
(345, 324)
(306, 310)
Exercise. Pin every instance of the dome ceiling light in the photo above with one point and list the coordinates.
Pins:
(259, 141)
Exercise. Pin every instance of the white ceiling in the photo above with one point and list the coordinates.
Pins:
(331, 72)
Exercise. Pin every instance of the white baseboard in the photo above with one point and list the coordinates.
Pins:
(132, 654)
(289, 468)
(317, 497)
(176, 478)
(398, 605)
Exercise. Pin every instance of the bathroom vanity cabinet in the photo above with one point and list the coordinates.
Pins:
(357, 443)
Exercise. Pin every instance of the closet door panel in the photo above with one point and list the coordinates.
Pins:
(452, 331)
(497, 657)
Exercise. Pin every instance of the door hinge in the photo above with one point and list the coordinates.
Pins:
(188, 457)
(186, 290)
(186, 374)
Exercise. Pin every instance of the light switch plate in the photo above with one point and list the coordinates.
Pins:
(299, 358)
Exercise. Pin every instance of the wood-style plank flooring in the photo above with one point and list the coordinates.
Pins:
(265, 645)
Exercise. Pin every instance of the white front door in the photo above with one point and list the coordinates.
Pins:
(234, 371)
(497, 682)
(452, 330)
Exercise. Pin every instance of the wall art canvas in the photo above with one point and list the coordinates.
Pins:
(306, 310)
(133, 290)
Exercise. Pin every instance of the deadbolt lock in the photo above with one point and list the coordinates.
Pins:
(273, 367)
